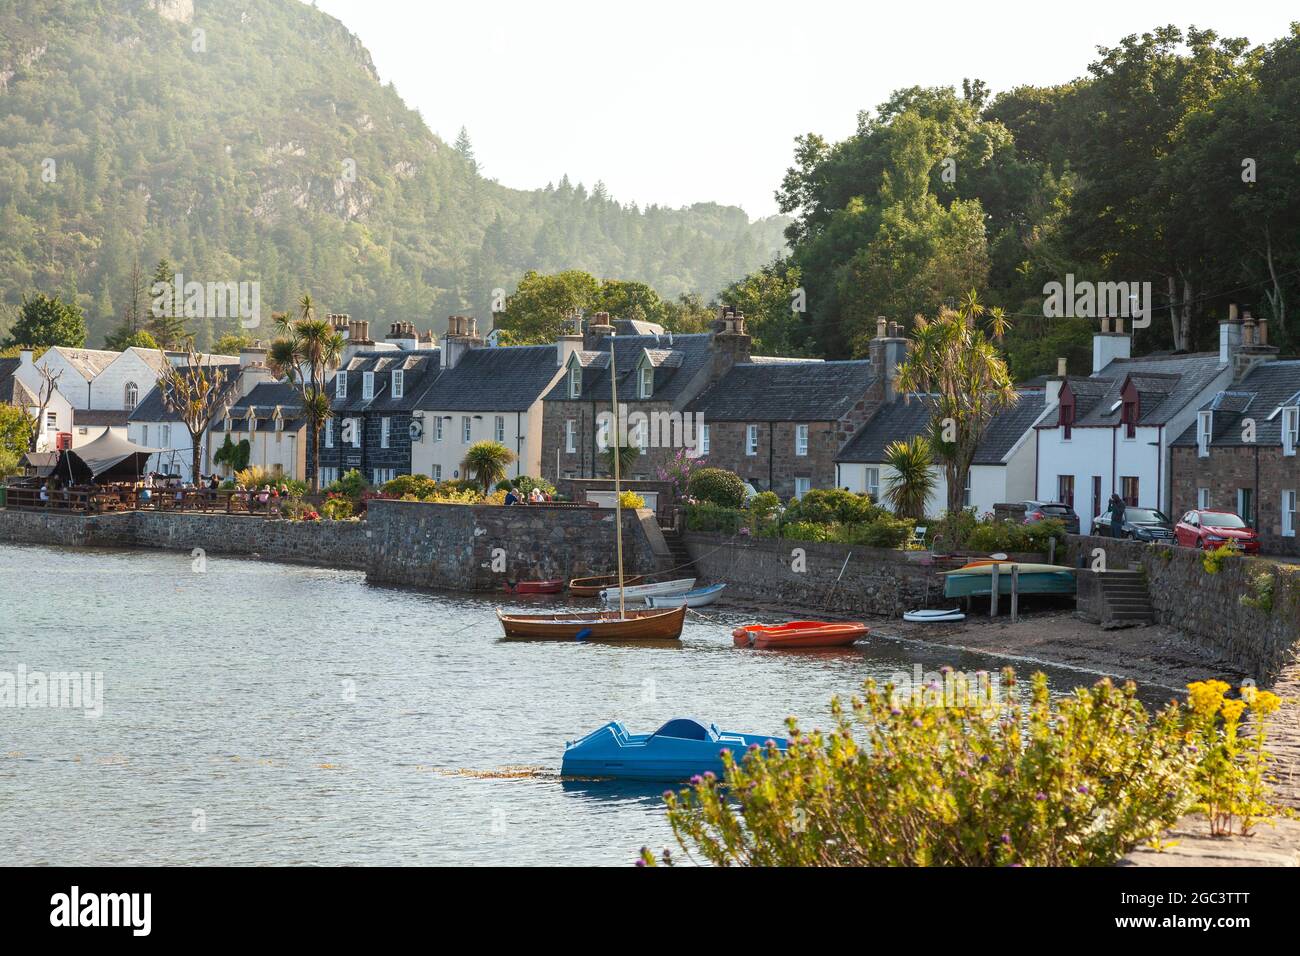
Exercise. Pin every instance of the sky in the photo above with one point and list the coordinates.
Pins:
(674, 102)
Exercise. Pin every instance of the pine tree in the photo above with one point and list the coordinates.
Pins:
(167, 323)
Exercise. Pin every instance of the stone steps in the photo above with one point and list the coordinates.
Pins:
(1126, 597)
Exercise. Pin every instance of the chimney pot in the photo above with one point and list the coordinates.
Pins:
(1105, 323)
(882, 326)
(1119, 323)
(1261, 331)
(1060, 367)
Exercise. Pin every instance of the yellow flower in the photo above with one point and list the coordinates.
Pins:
(1232, 710)
(1248, 692)
(1265, 702)
(1205, 696)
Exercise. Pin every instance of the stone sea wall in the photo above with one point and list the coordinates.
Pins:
(1208, 606)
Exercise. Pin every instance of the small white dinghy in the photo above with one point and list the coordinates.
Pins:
(697, 598)
(932, 616)
(640, 592)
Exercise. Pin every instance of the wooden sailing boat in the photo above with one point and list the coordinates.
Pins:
(652, 624)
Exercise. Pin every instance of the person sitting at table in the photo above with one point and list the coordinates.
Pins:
(146, 493)
(45, 491)
(264, 495)
(535, 496)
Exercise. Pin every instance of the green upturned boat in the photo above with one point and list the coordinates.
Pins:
(977, 579)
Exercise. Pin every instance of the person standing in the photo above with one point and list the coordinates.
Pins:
(1117, 508)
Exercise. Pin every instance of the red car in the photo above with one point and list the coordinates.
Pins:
(1213, 529)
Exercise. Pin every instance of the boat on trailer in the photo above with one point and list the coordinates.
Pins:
(696, 598)
(640, 592)
(678, 750)
(592, 586)
(639, 625)
(796, 634)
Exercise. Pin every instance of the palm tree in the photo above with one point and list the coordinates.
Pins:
(627, 457)
(908, 489)
(487, 461)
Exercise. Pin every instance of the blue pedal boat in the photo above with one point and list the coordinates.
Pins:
(678, 750)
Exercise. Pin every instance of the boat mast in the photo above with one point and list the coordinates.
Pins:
(618, 490)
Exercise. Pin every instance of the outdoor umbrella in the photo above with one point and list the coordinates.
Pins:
(110, 457)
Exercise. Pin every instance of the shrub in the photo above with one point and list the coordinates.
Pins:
(254, 476)
(630, 499)
(884, 532)
(938, 777)
(706, 516)
(834, 505)
(1261, 592)
(719, 486)
(337, 507)
(807, 531)
(1232, 772)
(526, 483)
(351, 483)
(403, 485)
(1212, 561)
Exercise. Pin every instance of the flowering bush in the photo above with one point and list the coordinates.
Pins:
(679, 470)
(972, 781)
(337, 507)
(719, 486)
(1212, 561)
(630, 499)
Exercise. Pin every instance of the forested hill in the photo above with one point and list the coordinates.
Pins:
(252, 140)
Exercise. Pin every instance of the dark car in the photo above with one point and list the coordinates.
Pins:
(1208, 530)
(1140, 524)
(1038, 510)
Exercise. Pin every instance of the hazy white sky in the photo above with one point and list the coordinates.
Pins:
(677, 102)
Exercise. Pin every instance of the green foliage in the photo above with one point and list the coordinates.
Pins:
(955, 774)
(911, 482)
(337, 508)
(525, 484)
(834, 505)
(15, 431)
(1015, 536)
(486, 462)
(1213, 561)
(351, 484)
(718, 486)
(417, 485)
(1261, 592)
(706, 516)
(767, 298)
(9, 463)
(231, 343)
(48, 320)
(764, 506)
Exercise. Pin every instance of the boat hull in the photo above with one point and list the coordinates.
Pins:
(639, 625)
(552, 586)
(642, 591)
(697, 598)
(798, 634)
(591, 587)
(1031, 579)
(612, 752)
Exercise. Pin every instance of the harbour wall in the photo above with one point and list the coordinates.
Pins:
(1208, 606)
(407, 543)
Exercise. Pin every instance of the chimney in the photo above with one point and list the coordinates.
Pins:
(1254, 348)
(1052, 390)
(25, 357)
(598, 329)
(1108, 346)
(569, 341)
(729, 343)
(887, 351)
(462, 335)
(1230, 333)
(404, 336)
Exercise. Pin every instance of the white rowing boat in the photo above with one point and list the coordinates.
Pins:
(697, 598)
(640, 592)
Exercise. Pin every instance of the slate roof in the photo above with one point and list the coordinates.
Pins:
(670, 378)
(807, 391)
(1256, 396)
(86, 417)
(265, 398)
(12, 390)
(505, 379)
(419, 368)
(1165, 384)
(905, 419)
(88, 362)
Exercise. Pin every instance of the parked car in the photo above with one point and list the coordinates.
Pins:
(1140, 524)
(1213, 529)
(1038, 510)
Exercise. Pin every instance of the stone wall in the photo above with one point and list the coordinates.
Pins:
(332, 544)
(1207, 606)
(420, 544)
(1261, 468)
(875, 581)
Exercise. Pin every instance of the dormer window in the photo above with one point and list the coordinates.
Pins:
(647, 381)
(1290, 429)
(1067, 415)
(341, 384)
(1129, 418)
(279, 421)
(227, 423)
(399, 385)
(367, 386)
(575, 382)
(1204, 432)
(252, 420)
(132, 396)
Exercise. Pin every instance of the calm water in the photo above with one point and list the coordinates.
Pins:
(311, 718)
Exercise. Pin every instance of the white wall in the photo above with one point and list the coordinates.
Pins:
(168, 435)
(989, 485)
(523, 435)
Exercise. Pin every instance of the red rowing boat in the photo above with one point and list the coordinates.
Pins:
(550, 586)
(799, 634)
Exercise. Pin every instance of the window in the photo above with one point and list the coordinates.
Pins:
(437, 428)
(436, 472)
(1246, 505)
(381, 475)
(399, 382)
(166, 436)
(52, 422)
(252, 421)
(1288, 514)
(1096, 496)
(329, 433)
(328, 476)
(1128, 490)
(704, 439)
(384, 425)
(801, 439)
(802, 486)
(144, 435)
(570, 436)
(341, 385)
(1065, 489)
(575, 382)
(872, 482)
(1290, 429)
(132, 396)
(1204, 430)
(1203, 499)
(464, 428)
(367, 385)
(751, 439)
(647, 381)
(499, 429)
(965, 497)
(355, 434)
(640, 436)
(279, 423)
(227, 423)
(1130, 417)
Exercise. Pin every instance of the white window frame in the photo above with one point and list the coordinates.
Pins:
(144, 435)
(435, 472)
(871, 481)
(1202, 499)
(1288, 512)
(575, 382)
(801, 440)
(570, 436)
(647, 381)
(166, 436)
(1204, 432)
(356, 433)
(1290, 429)
(499, 429)
(802, 486)
(341, 385)
(367, 386)
(466, 429)
(399, 383)
(642, 436)
(967, 494)
(437, 428)
(751, 440)
(329, 433)
(385, 426)
(130, 396)
(704, 439)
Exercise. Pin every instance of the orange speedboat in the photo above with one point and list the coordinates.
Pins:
(799, 634)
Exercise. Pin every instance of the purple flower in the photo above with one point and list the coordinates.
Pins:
(916, 721)
(1040, 796)
(1083, 788)
(697, 779)
(1006, 837)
